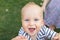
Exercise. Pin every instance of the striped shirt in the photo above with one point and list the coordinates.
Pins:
(43, 34)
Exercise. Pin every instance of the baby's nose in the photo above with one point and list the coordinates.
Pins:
(31, 23)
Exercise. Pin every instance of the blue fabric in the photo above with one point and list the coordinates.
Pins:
(52, 13)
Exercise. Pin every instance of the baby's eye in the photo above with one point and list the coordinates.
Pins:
(36, 19)
(26, 19)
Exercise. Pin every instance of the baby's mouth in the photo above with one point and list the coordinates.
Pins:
(32, 29)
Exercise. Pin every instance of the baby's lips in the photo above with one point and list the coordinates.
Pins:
(31, 29)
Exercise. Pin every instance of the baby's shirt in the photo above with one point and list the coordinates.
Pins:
(43, 34)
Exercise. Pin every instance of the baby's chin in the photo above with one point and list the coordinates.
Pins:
(32, 34)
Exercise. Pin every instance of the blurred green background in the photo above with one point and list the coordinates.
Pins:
(10, 17)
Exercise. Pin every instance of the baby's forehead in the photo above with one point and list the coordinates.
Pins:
(31, 5)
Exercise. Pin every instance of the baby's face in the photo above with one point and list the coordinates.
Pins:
(32, 20)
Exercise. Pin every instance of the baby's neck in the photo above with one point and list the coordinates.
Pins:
(33, 37)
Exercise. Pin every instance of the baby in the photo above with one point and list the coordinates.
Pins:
(33, 27)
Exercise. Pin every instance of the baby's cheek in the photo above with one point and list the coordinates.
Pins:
(25, 28)
(38, 28)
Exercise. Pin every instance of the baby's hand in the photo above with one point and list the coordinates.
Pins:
(19, 38)
(57, 37)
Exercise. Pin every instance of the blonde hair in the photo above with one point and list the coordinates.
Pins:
(30, 4)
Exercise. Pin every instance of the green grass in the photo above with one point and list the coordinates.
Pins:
(10, 21)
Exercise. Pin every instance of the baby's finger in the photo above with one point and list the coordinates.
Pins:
(55, 38)
(23, 37)
(59, 36)
(16, 38)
